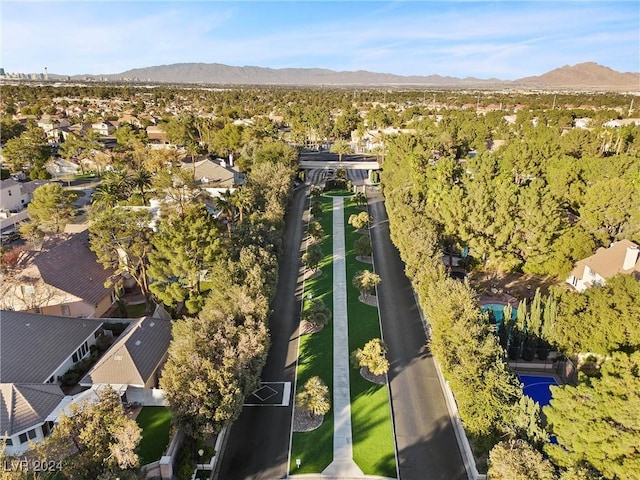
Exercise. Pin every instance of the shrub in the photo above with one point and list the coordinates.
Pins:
(373, 356)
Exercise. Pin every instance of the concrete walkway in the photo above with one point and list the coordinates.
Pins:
(343, 465)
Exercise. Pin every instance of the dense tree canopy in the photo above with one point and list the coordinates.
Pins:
(102, 439)
(597, 423)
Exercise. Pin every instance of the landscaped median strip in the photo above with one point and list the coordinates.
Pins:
(314, 449)
(373, 441)
(343, 464)
(357, 433)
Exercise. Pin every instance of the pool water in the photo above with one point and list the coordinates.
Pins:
(537, 388)
(498, 312)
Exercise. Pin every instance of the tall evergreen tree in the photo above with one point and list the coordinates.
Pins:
(598, 421)
(185, 248)
(51, 208)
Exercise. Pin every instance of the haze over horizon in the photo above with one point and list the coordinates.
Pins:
(505, 40)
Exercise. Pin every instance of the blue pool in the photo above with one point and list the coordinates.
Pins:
(536, 387)
(498, 311)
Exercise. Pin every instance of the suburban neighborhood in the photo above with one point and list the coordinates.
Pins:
(318, 283)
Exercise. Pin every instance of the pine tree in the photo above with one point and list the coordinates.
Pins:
(598, 421)
(51, 208)
(185, 248)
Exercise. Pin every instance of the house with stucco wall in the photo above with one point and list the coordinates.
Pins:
(622, 257)
(62, 277)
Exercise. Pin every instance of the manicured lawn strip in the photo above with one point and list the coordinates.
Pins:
(315, 448)
(373, 446)
(156, 425)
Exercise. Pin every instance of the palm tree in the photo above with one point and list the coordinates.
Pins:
(314, 397)
(224, 203)
(242, 200)
(340, 147)
(140, 179)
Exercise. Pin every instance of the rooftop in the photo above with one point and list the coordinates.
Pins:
(33, 346)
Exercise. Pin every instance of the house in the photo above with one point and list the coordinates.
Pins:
(103, 128)
(62, 278)
(34, 351)
(617, 123)
(216, 175)
(132, 365)
(621, 257)
(24, 413)
(13, 197)
(53, 127)
(157, 134)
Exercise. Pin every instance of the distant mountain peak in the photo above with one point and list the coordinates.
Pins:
(582, 75)
(587, 74)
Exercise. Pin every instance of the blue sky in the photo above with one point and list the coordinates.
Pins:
(502, 39)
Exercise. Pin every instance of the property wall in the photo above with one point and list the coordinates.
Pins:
(14, 219)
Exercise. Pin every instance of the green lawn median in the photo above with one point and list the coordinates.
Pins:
(315, 448)
(373, 444)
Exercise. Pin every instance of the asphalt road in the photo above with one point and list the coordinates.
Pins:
(258, 442)
(425, 439)
(257, 446)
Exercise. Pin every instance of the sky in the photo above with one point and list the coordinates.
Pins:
(460, 38)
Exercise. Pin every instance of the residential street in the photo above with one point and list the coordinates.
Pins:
(426, 442)
(258, 443)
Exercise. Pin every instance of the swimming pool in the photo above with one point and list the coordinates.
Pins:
(537, 388)
(498, 311)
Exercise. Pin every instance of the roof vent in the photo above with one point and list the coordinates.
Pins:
(117, 357)
(138, 342)
(152, 324)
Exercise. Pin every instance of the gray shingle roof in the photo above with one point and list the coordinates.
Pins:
(23, 406)
(32, 346)
(135, 356)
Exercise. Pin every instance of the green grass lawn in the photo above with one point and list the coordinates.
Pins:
(156, 424)
(373, 445)
(315, 448)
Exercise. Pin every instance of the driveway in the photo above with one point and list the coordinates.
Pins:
(426, 442)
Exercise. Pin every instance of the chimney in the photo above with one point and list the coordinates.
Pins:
(630, 258)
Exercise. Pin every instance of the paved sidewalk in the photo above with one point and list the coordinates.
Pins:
(343, 465)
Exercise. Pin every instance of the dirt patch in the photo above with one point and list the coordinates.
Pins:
(367, 375)
(370, 300)
(364, 259)
(307, 328)
(516, 285)
(303, 422)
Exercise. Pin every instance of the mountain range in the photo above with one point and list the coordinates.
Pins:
(578, 77)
